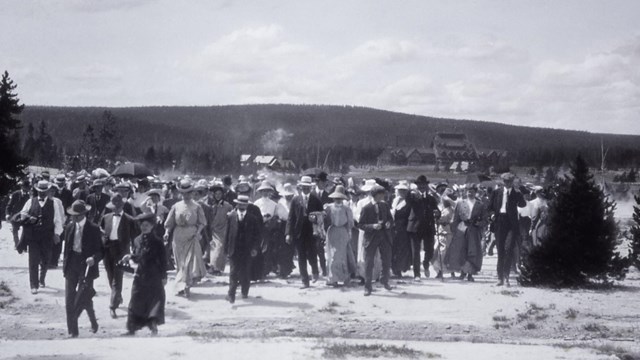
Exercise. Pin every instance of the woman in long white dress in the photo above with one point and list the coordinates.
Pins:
(340, 260)
(185, 222)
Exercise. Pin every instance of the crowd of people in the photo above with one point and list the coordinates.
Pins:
(346, 232)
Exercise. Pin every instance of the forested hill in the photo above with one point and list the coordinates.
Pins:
(239, 128)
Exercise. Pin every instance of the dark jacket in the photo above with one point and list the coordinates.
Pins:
(422, 218)
(16, 202)
(98, 207)
(126, 231)
(91, 247)
(370, 216)
(514, 201)
(298, 215)
(251, 240)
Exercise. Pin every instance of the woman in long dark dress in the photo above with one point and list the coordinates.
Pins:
(146, 307)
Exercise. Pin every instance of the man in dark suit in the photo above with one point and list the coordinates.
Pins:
(421, 224)
(66, 197)
(503, 205)
(241, 245)
(377, 223)
(46, 225)
(16, 202)
(82, 253)
(118, 228)
(98, 201)
(322, 193)
(299, 230)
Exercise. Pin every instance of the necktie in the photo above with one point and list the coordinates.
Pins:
(378, 212)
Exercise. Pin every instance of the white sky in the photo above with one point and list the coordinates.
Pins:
(562, 64)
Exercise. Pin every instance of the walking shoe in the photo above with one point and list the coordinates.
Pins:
(34, 291)
(315, 278)
(42, 284)
(439, 276)
(470, 278)
(94, 327)
(388, 287)
(417, 278)
(367, 292)
(113, 314)
(305, 285)
(427, 273)
(231, 298)
(153, 326)
(500, 282)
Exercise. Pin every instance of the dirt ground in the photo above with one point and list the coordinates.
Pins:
(427, 319)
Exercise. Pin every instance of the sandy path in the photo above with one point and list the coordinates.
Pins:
(278, 312)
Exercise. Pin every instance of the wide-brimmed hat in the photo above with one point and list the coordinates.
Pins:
(287, 190)
(305, 181)
(507, 176)
(472, 186)
(123, 185)
(185, 186)
(339, 193)
(201, 184)
(115, 201)
(243, 187)
(242, 199)
(265, 186)
(97, 183)
(442, 184)
(43, 185)
(61, 178)
(81, 178)
(154, 192)
(402, 185)
(422, 180)
(78, 208)
(368, 185)
(216, 186)
(148, 217)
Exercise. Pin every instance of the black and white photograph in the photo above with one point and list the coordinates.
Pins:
(359, 179)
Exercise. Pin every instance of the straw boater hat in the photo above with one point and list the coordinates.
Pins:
(78, 208)
(242, 199)
(265, 186)
(368, 185)
(43, 185)
(61, 179)
(338, 193)
(185, 186)
(305, 181)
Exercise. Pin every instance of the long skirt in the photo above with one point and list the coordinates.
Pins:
(465, 252)
(401, 257)
(443, 242)
(188, 256)
(340, 260)
(146, 304)
(217, 257)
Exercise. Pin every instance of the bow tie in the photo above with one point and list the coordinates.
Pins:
(117, 215)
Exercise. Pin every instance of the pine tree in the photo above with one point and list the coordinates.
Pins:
(108, 140)
(582, 237)
(635, 235)
(12, 163)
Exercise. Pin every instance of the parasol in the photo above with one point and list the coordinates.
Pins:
(136, 170)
